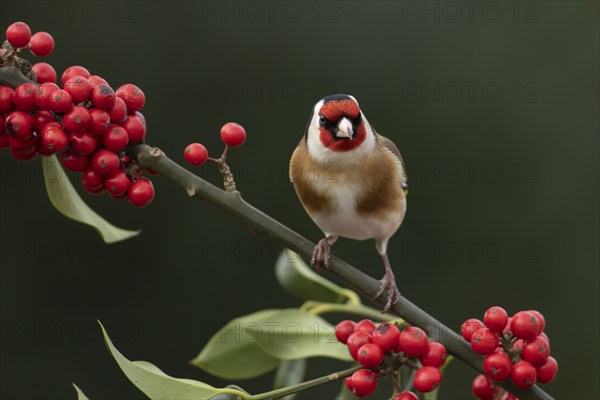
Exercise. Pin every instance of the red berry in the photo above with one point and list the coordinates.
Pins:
(118, 112)
(470, 326)
(7, 95)
(136, 128)
(365, 325)
(406, 396)
(507, 327)
(413, 341)
(495, 318)
(18, 34)
(196, 154)
(103, 97)
(133, 97)
(95, 79)
(74, 162)
(60, 101)
(23, 155)
(497, 366)
(78, 119)
(99, 122)
(386, 336)
(79, 88)
(364, 382)
(482, 388)
(233, 135)
(116, 138)
(427, 379)
(141, 193)
(369, 355)
(24, 98)
(540, 318)
(349, 384)
(523, 375)
(435, 355)
(44, 72)
(53, 138)
(508, 396)
(536, 351)
(484, 341)
(356, 341)
(41, 118)
(23, 146)
(43, 150)
(118, 184)
(92, 179)
(518, 345)
(75, 70)
(525, 325)
(547, 372)
(43, 93)
(344, 329)
(82, 143)
(545, 337)
(19, 124)
(105, 162)
(41, 44)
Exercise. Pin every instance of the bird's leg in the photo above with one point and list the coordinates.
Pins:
(320, 257)
(388, 283)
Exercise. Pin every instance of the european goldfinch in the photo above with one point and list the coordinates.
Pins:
(351, 181)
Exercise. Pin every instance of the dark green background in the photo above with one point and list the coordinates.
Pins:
(164, 293)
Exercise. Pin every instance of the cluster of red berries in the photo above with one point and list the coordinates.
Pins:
(385, 348)
(515, 347)
(232, 134)
(86, 121)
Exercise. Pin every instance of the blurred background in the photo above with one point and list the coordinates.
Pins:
(494, 106)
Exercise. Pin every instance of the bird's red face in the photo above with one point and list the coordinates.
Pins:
(341, 126)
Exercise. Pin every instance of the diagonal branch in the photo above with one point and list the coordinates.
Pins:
(259, 222)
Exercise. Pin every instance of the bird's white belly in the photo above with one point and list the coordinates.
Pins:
(343, 219)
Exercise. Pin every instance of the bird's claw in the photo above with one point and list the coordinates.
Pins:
(388, 283)
(320, 257)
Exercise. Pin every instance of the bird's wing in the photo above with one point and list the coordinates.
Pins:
(388, 144)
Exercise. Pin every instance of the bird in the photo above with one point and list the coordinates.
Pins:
(351, 181)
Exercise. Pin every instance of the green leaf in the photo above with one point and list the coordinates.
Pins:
(291, 334)
(302, 281)
(157, 385)
(433, 395)
(231, 354)
(289, 373)
(80, 395)
(66, 200)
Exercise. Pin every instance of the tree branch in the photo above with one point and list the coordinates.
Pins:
(259, 222)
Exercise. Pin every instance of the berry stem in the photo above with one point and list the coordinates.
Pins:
(274, 394)
(228, 181)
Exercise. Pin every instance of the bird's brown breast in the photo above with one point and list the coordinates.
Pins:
(379, 176)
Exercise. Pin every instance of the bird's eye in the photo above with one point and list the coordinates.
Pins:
(322, 120)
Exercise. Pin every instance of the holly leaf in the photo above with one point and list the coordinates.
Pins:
(231, 354)
(289, 373)
(67, 201)
(155, 384)
(302, 281)
(80, 395)
(292, 334)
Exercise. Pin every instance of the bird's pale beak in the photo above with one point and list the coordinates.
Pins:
(345, 129)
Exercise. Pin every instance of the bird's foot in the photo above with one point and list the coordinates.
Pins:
(320, 257)
(388, 283)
